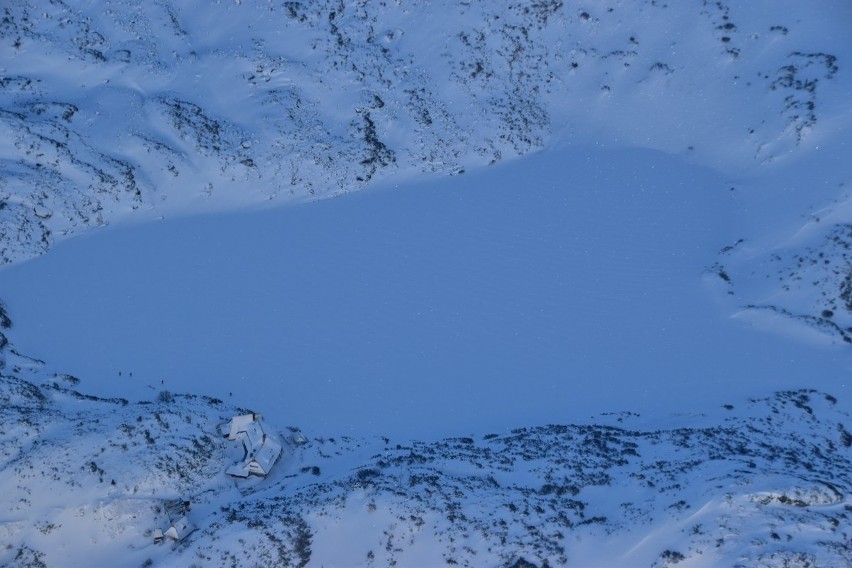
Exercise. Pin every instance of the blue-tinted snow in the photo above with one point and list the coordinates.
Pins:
(543, 290)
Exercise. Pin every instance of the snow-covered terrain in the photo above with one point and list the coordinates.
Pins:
(567, 284)
(594, 306)
(190, 106)
(763, 482)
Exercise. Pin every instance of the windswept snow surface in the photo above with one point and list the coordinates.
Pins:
(547, 289)
(539, 337)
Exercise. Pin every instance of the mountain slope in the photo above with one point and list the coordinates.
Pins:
(87, 480)
(195, 106)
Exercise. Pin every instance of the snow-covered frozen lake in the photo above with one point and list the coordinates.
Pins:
(547, 289)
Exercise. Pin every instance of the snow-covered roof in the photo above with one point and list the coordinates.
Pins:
(267, 454)
(255, 434)
(180, 529)
(261, 451)
(238, 424)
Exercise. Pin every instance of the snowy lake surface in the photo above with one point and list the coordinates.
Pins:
(543, 290)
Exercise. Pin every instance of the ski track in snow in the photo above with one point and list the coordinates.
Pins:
(634, 148)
